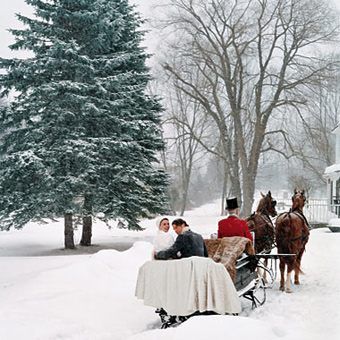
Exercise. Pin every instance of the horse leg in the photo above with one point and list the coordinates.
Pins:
(290, 267)
(282, 271)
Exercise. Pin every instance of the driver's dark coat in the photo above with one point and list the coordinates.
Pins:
(187, 244)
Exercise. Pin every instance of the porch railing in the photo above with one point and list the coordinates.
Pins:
(316, 210)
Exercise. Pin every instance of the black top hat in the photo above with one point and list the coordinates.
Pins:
(232, 203)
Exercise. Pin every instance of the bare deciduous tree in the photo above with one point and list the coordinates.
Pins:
(257, 56)
(313, 145)
(189, 127)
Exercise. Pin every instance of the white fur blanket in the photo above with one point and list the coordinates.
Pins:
(182, 287)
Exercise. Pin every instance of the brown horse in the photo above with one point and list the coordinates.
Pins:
(292, 233)
(261, 224)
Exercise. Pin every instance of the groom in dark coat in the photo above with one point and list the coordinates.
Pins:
(187, 243)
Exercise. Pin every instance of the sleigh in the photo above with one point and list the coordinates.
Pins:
(238, 256)
(180, 289)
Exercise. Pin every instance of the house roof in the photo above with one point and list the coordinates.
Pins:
(332, 172)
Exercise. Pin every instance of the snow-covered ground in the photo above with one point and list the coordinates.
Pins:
(48, 293)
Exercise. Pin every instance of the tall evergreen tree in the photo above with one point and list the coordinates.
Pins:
(82, 123)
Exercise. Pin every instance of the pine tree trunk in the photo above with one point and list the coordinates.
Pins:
(87, 231)
(68, 231)
(87, 222)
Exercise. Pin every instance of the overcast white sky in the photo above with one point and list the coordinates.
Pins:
(8, 20)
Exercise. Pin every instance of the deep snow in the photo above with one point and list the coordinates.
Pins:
(47, 293)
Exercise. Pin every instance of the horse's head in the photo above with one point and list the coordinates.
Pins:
(298, 199)
(267, 205)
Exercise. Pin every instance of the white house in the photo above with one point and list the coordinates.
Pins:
(332, 174)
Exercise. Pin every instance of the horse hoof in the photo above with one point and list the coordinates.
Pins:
(282, 289)
(288, 290)
(296, 282)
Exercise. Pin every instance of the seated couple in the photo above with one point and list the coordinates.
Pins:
(189, 243)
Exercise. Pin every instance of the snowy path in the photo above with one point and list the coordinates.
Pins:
(91, 296)
(314, 306)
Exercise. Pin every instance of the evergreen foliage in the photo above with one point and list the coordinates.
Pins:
(81, 124)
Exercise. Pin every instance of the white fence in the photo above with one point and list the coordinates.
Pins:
(315, 209)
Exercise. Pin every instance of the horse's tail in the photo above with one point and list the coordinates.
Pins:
(298, 269)
(297, 265)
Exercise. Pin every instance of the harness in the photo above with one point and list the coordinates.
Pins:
(268, 241)
(301, 216)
